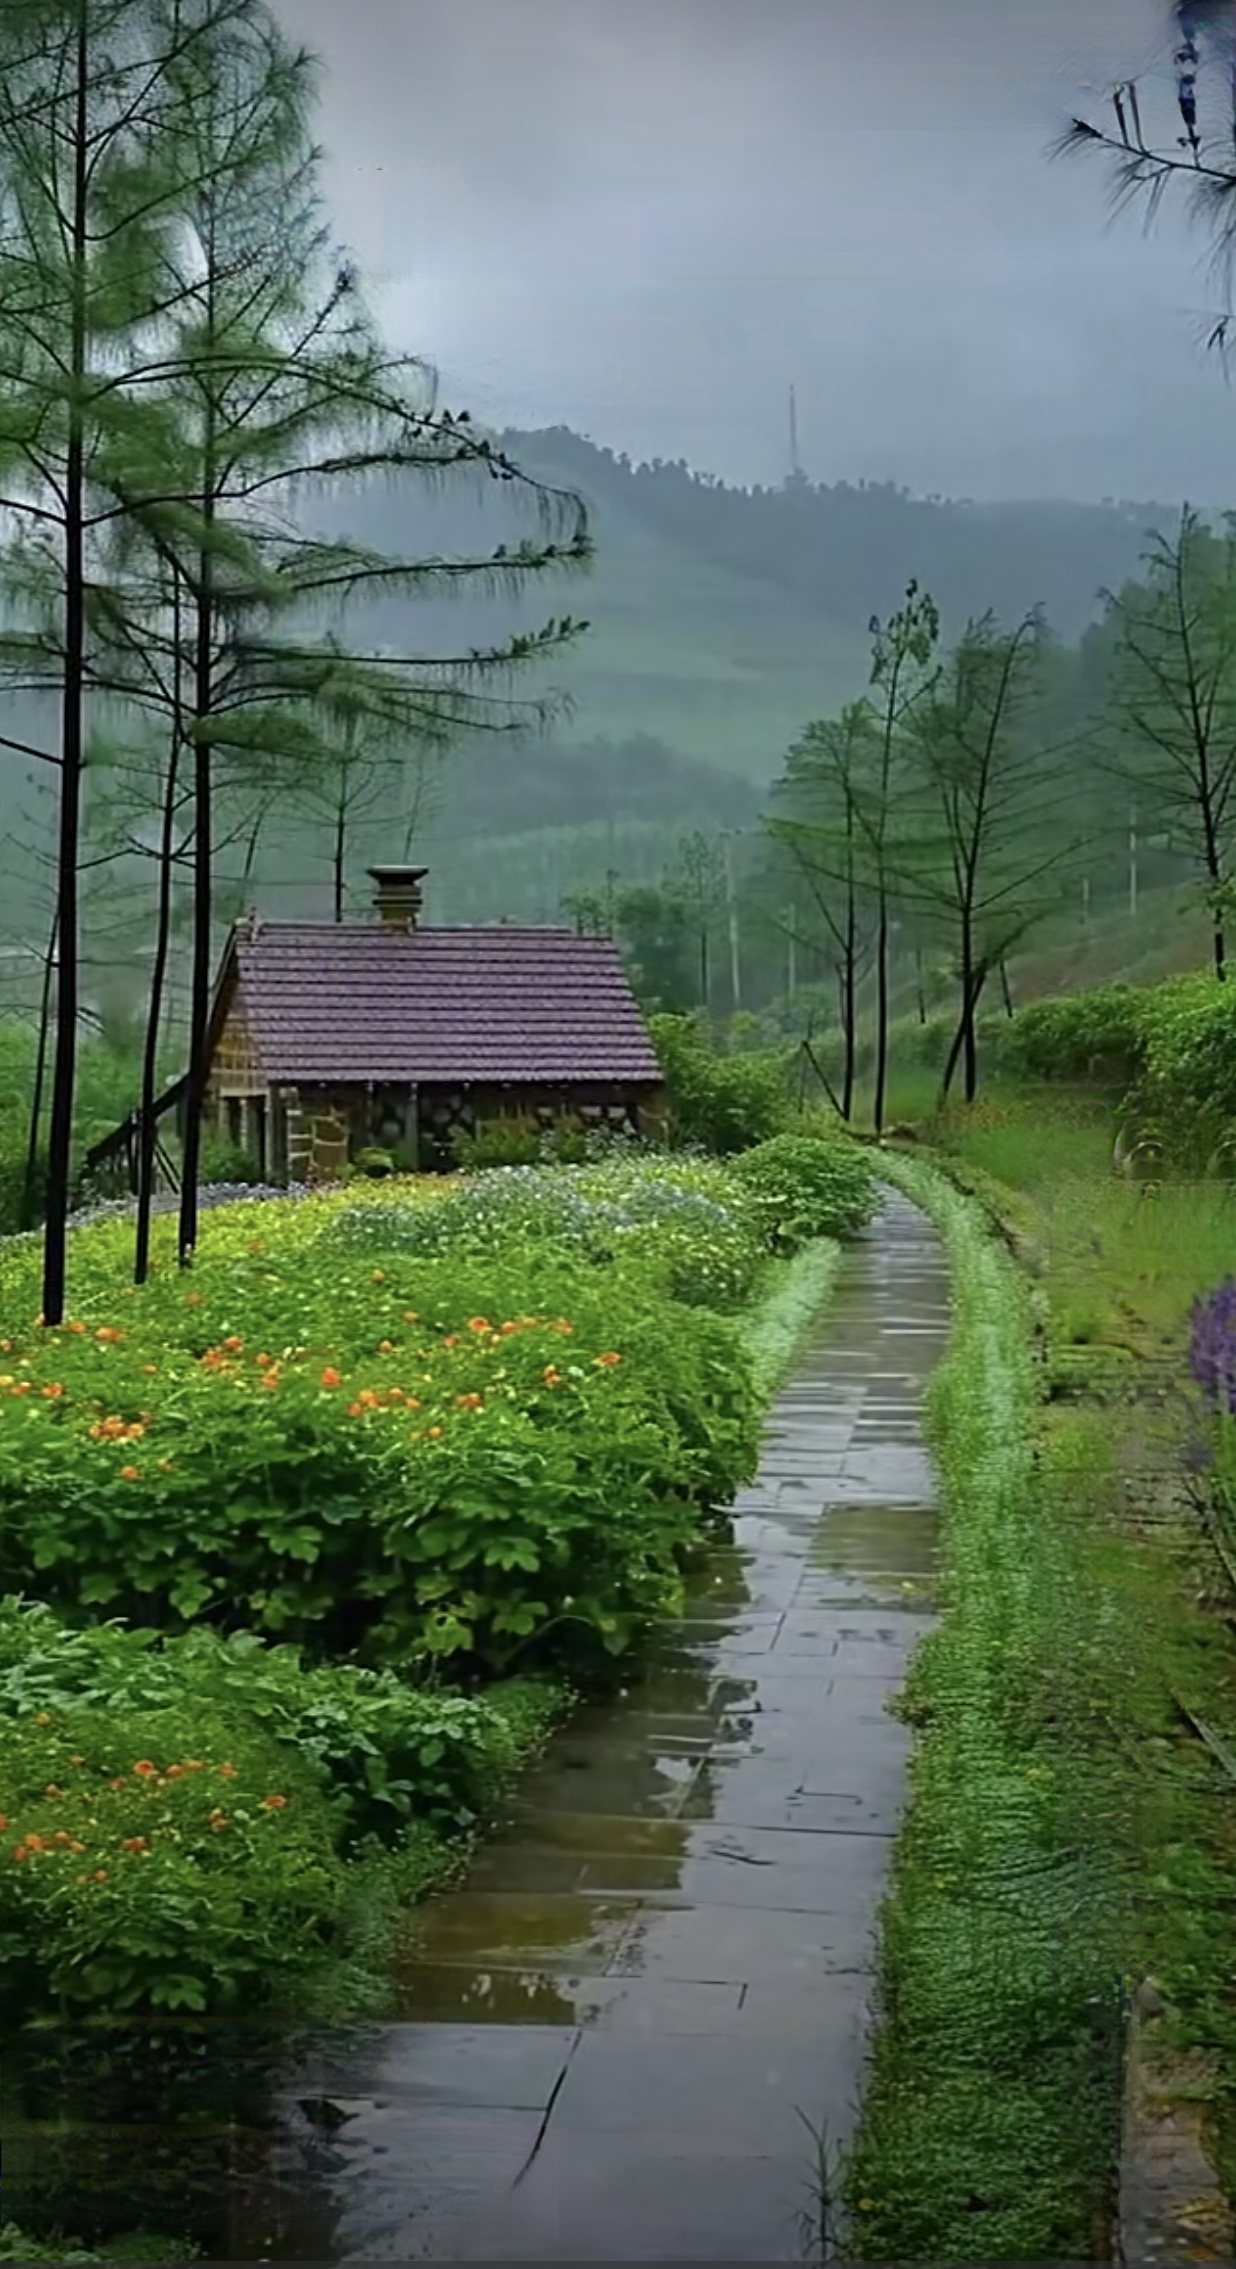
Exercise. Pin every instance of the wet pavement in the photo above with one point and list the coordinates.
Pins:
(619, 2035)
(616, 2039)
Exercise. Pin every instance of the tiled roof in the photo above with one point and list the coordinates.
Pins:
(353, 1002)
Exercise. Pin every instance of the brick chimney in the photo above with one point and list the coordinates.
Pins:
(397, 895)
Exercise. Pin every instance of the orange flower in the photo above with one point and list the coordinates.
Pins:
(135, 1843)
(218, 1825)
(563, 1326)
(551, 1376)
(24, 1386)
(356, 1410)
(52, 1391)
(604, 1361)
(194, 1765)
(367, 1399)
(272, 1804)
(63, 1837)
(99, 1876)
(470, 1401)
(108, 1334)
(144, 1770)
(386, 1347)
(228, 1772)
(479, 1323)
(118, 1784)
(233, 1345)
(130, 1473)
(72, 1327)
(3, 1823)
(412, 1402)
(434, 1433)
(174, 1773)
(151, 1370)
(452, 1340)
(52, 1790)
(34, 1843)
(271, 1382)
(262, 1361)
(20, 1852)
(506, 1329)
(331, 1377)
(135, 1432)
(410, 1316)
(193, 1299)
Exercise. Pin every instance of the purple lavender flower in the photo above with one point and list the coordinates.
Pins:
(1212, 1346)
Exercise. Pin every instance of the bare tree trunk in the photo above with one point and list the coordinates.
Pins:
(203, 870)
(148, 1133)
(881, 1077)
(1005, 987)
(919, 986)
(29, 1210)
(341, 822)
(72, 754)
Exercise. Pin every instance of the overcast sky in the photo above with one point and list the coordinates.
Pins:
(646, 218)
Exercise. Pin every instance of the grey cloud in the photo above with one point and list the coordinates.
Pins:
(646, 217)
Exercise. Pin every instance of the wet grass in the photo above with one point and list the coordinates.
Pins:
(797, 1295)
(1069, 1831)
(986, 2130)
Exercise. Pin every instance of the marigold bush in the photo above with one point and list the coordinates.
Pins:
(491, 1460)
(160, 1861)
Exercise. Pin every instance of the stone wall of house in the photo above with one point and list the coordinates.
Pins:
(235, 1070)
(446, 1111)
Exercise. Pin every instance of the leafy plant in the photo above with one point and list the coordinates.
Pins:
(721, 1103)
(161, 1860)
(806, 1186)
(503, 1142)
(478, 1458)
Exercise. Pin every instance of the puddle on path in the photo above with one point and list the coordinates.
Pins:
(606, 2041)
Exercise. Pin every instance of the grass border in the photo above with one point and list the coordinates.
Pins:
(990, 2123)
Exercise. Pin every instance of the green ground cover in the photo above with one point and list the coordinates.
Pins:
(1069, 1830)
(305, 1552)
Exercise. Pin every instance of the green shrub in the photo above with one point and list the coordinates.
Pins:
(410, 1478)
(171, 1859)
(721, 1103)
(375, 1165)
(504, 1142)
(390, 1753)
(1186, 1094)
(684, 1225)
(807, 1186)
(1097, 1035)
(223, 1162)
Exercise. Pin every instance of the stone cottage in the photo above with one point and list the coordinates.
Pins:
(331, 1038)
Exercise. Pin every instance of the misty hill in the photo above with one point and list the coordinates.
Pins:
(722, 619)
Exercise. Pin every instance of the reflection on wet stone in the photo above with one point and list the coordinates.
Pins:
(607, 2040)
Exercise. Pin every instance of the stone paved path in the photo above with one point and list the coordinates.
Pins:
(618, 2031)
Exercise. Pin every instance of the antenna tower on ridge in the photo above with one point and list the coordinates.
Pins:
(795, 477)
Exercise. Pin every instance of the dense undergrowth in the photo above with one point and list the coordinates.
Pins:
(305, 1551)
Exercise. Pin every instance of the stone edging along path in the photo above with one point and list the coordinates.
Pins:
(617, 2035)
